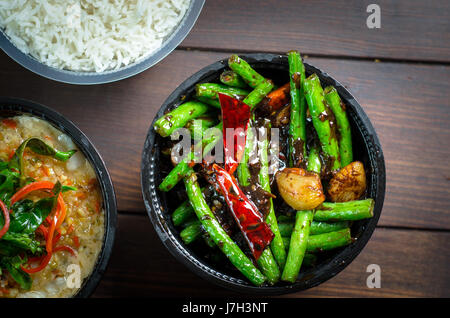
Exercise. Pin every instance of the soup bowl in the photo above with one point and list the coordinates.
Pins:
(13, 107)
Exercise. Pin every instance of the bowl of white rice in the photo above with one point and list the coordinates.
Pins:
(93, 41)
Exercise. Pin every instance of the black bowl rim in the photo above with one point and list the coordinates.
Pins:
(92, 78)
(180, 252)
(85, 145)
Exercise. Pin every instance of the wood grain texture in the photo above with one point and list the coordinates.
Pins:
(413, 264)
(413, 30)
(407, 104)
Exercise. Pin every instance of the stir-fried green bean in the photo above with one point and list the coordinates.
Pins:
(217, 233)
(319, 115)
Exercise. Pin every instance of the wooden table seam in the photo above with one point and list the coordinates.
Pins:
(317, 55)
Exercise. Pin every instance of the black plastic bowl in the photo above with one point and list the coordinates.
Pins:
(89, 78)
(13, 107)
(159, 205)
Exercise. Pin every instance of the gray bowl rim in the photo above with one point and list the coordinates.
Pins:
(165, 230)
(93, 78)
(22, 106)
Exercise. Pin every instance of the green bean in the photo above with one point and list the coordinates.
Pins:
(309, 260)
(286, 241)
(297, 246)
(190, 233)
(322, 242)
(268, 266)
(197, 127)
(241, 67)
(297, 124)
(297, 157)
(276, 245)
(212, 90)
(232, 79)
(317, 227)
(243, 171)
(210, 143)
(314, 163)
(345, 140)
(285, 218)
(193, 219)
(182, 168)
(179, 117)
(218, 235)
(329, 241)
(345, 211)
(325, 241)
(209, 101)
(257, 94)
(182, 213)
(208, 240)
(176, 174)
(193, 229)
(319, 115)
(286, 228)
(253, 99)
(266, 261)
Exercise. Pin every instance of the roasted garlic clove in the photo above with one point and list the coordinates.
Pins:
(301, 189)
(349, 183)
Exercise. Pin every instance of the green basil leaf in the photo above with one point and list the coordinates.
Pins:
(57, 188)
(9, 181)
(3, 165)
(28, 215)
(40, 147)
(7, 249)
(22, 219)
(12, 265)
(26, 242)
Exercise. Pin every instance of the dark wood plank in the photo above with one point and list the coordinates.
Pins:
(417, 29)
(115, 116)
(407, 103)
(413, 264)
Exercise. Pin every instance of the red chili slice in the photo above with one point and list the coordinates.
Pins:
(66, 248)
(10, 123)
(43, 262)
(39, 185)
(5, 217)
(257, 233)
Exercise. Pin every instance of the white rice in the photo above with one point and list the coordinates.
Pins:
(90, 35)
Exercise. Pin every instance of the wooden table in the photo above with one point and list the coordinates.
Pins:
(400, 74)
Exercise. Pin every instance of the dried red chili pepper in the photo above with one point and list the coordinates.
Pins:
(256, 232)
(235, 117)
